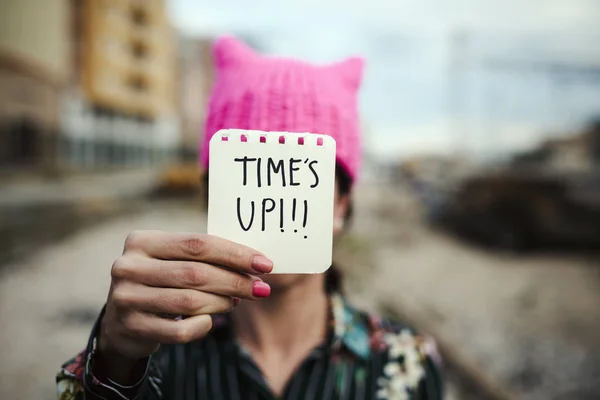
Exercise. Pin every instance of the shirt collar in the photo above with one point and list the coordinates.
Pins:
(349, 328)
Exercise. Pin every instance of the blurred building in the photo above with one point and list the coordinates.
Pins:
(593, 137)
(34, 60)
(439, 171)
(569, 153)
(196, 73)
(196, 76)
(573, 153)
(120, 107)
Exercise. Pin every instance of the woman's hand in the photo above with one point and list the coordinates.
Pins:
(162, 274)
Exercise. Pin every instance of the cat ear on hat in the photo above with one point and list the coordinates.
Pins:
(229, 51)
(350, 71)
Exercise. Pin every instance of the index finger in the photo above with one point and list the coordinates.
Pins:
(199, 247)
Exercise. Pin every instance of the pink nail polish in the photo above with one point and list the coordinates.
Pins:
(261, 289)
(236, 301)
(262, 264)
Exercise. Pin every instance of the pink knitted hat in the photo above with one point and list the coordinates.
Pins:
(252, 91)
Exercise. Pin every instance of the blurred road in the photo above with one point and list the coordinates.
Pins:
(30, 205)
(530, 324)
(49, 300)
(76, 188)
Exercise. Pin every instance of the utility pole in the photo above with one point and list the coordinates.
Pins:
(458, 91)
(558, 105)
(492, 136)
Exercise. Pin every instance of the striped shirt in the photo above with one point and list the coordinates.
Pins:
(363, 357)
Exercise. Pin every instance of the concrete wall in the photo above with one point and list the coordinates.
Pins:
(37, 32)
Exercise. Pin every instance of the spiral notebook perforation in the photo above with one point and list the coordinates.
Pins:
(272, 137)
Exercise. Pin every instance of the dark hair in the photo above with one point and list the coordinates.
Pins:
(333, 276)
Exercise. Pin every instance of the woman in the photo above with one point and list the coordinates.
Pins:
(246, 334)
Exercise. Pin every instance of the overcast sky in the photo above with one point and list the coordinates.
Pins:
(407, 90)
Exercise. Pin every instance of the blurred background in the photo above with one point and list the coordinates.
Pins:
(478, 213)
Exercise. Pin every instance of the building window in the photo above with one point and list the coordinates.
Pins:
(139, 16)
(138, 84)
(139, 50)
(24, 141)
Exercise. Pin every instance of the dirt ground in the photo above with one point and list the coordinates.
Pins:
(530, 324)
(49, 300)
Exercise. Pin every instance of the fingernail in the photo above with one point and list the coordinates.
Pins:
(262, 264)
(236, 301)
(261, 289)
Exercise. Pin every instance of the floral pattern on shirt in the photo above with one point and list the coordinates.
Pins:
(69, 380)
(404, 371)
(354, 334)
